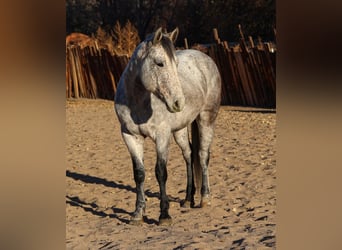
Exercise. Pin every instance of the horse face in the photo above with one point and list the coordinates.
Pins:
(159, 71)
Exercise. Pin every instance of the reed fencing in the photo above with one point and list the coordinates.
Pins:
(92, 72)
(247, 71)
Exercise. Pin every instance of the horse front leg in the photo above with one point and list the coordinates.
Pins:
(162, 145)
(135, 145)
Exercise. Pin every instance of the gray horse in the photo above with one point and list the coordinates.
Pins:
(160, 93)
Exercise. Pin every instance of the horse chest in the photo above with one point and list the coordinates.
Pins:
(140, 125)
(147, 130)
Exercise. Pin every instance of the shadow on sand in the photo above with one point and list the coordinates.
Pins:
(94, 209)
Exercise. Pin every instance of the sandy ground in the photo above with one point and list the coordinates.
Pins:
(100, 188)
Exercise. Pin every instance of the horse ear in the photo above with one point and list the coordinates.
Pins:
(174, 35)
(157, 35)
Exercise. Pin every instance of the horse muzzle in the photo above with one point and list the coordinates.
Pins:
(174, 102)
(177, 105)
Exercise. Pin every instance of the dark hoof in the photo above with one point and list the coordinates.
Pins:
(165, 221)
(187, 204)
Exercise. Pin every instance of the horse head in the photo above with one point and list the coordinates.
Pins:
(158, 72)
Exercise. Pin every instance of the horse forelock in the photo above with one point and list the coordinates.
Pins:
(166, 44)
(169, 48)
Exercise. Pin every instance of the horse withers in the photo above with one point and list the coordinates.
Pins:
(160, 93)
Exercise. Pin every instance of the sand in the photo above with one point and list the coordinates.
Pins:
(100, 190)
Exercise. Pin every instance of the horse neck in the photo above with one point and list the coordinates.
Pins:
(132, 81)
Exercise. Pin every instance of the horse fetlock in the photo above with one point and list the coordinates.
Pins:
(136, 220)
(139, 211)
(137, 217)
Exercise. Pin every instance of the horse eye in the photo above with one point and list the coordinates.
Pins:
(160, 64)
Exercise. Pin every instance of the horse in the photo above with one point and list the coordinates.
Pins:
(163, 92)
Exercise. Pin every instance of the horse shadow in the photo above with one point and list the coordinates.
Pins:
(92, 207)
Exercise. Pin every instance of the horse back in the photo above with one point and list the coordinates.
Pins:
(200, 77)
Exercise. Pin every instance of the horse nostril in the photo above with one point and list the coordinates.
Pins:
(176, 104)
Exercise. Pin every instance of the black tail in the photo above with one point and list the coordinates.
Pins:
(197, 170)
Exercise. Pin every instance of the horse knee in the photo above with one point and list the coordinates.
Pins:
(138, 170)
(139, 174)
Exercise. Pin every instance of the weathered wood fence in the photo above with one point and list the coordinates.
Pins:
(248, 72)
(92, 72)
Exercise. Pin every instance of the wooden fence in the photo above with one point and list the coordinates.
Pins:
(92, 72)
(247, 71)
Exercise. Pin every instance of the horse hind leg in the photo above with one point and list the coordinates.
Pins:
(206, 133)
(182, 139)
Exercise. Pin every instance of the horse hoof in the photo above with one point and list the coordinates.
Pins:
(186, 204)
(136, 221)
(205, 202)
(165, 221)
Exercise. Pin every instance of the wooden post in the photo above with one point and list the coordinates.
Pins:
(186, 43)
(251, 41)
(241, 32)
(216, 36)
(260, 43)
(74, 72)
(243, 44)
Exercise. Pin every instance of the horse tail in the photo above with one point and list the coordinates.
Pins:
(197, 170)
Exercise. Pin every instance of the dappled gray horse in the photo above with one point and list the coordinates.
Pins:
(160, 93)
